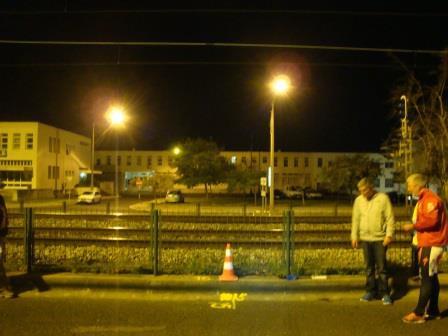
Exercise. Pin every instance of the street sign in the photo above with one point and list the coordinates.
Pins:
(263, 181)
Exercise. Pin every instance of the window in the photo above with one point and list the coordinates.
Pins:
(285, 162)
(389, 183)
(296, 162)
(128, 160)
(109, 160)
(159, 160)
(16, 141)
(265, 159)
(50, 172)
(149, 161)
(53, 145)
(139, 160)
(98, 162)
(275, 161)
(29, 139)
(53, 172)
(119, 160)
(170, 160)
(307, 162)
(377, 183)
(243, 159)
(320, 162)
(4, 141)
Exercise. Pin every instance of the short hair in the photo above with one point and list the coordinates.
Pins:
(365, 182)
(418, 179)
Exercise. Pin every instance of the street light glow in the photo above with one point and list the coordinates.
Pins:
(116, 116)
(176, 150)
(280, 85)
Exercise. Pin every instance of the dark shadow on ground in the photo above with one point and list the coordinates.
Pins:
(25, 282)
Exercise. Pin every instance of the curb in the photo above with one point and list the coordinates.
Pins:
(201, 283)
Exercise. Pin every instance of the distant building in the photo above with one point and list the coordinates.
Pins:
(35, 156)
(139, 169)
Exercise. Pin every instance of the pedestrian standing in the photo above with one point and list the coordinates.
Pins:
(5, 288)
(373, 230)
(432, 239)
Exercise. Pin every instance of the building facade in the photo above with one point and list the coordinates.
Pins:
(139, 170)
(37, 156)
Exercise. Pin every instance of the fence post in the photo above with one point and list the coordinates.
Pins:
(288, 237)
(108, 207)
(336, 209)
(155, 241)
(29, 240)
(198, 209)
(244, 209)
(64, 206)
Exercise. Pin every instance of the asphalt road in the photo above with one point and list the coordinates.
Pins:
(118, 312)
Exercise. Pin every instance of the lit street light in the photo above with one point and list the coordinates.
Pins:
(116, 117)
(279, 87)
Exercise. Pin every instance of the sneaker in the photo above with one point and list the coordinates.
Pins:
(413, 318)
(387, 300)
(432, 316)
(7, 295)
(367, 297)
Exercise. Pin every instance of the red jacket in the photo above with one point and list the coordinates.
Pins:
(431, 225)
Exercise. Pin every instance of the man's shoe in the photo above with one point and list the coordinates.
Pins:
(387, 300)
(413, 318)
(7, 294)
(367, 297)
(433, 316)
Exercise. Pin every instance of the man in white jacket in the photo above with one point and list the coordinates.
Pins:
(373, 229)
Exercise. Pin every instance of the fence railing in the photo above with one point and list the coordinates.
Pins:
(159, 242)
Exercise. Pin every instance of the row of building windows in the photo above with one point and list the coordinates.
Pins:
(16, 163)
(138, 160)
(16, 141)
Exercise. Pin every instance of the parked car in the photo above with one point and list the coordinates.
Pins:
(278, 194)
(90, 197)
(293, 192)
(174, 196)
(313, 194)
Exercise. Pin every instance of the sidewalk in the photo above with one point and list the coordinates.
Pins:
(333, 283)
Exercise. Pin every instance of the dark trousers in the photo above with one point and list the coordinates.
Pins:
(430, 287)
(375, 260)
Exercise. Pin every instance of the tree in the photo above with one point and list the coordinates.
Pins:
(346, 170)
(427, 110)
(244, 180)
(200, 162)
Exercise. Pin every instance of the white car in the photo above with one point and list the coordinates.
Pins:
(90, 197)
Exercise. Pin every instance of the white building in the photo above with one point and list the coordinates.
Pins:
(36, 156)
(304, 169)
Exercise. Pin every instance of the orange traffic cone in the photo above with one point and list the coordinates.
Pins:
(227, 272)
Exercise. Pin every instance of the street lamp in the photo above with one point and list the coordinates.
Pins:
(406, 135)
(279, 87)
(93, 156)
(116, 117)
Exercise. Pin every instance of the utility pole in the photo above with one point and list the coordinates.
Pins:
(406, 146)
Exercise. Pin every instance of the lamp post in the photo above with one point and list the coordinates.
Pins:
(406, 135)
(279, 86)
(116, 117)
(92, 159)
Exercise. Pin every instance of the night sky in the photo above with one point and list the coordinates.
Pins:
(341, 99)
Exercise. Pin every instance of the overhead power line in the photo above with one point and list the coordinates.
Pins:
(222, 11)
(222, 44)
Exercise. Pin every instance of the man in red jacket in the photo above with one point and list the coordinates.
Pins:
(432, 239)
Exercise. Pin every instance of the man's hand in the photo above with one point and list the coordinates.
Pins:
(408, 227)
(387, 241)
(355, 244)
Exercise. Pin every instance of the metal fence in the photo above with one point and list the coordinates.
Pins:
(189, 243)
